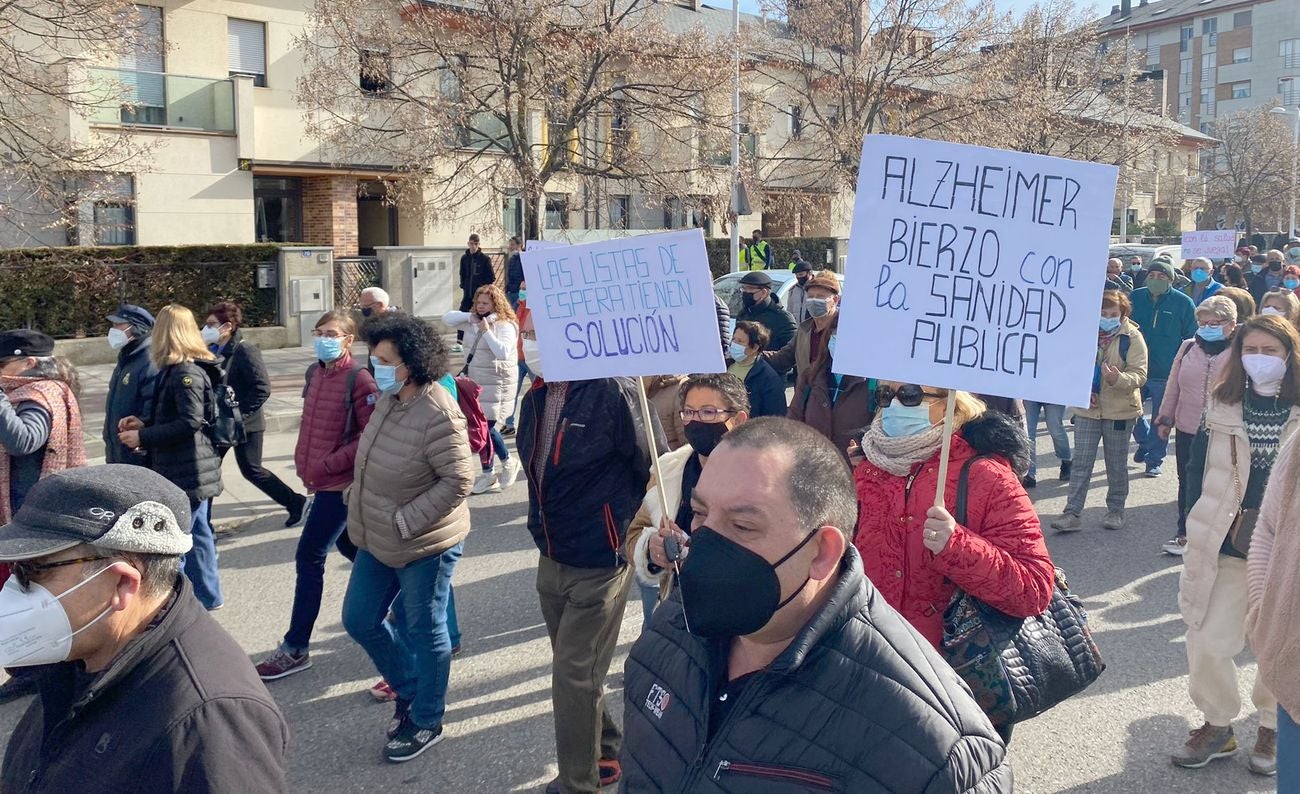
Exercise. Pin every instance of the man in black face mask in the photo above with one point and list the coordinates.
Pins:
(776, 661)
(760, 306)
(794, 299)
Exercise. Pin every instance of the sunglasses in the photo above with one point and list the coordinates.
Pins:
(909, 394)
(28, 572)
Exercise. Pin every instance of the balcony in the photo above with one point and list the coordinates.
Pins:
(167, 101)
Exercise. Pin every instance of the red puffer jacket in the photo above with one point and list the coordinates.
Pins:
(998, 557)
(323, 456)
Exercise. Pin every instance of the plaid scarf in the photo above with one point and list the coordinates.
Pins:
(66, 447)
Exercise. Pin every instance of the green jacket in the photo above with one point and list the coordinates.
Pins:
(1165, 322)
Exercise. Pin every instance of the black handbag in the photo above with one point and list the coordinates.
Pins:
(1018, 668)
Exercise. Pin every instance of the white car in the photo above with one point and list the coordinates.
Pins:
(728, 288)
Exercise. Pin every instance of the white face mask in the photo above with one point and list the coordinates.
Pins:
(210, 334)
(533, 357)
(34, 627)
(1270, 310)
(1266, 373)
(117, 338)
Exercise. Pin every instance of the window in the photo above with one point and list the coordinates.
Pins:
(1241, 90)
(1289, 49)
(557, 211)
(277, 209)
(1185, 39)
(619, 209)
(1185, 71)
(144, 98)
(512, 215)
(1207, 67)
(376, 71)
(1210, 29)
(1241, 55)
(1288, 91)
(114, 211)
(1241, 19)
(246, 49)
(796, 122)
(674, 214)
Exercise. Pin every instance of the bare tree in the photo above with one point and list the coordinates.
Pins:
(470, 103)
(48, 159)
(1251, 175)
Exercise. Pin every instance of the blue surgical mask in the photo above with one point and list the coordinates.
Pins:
(1200, 276)
(1290, 283)
(386, 377)
(1210, 333)
(523, 294)
(1109, 324)
(328, 348)
(738, 352)
(897, 420)
(830, 345)
(1257, 267)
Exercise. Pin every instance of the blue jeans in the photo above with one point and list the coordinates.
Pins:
(519, 387)
(416, 661)
(649, 600)
(201, 560)
(326, 526)
(1055, 415)
(1288, 753)
(1148, 440)
(497, 443)
(453, 624)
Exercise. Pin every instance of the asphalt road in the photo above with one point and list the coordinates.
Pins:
(1116, 737)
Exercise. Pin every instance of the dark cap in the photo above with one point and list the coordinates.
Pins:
(1163, 266)
(802, 266)
(25, 342)
(134, 316)
(114, 506)
(757, 278)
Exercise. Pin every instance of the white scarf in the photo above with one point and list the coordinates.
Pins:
(898, 455)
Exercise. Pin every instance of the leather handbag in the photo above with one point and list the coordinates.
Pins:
(1018, 668)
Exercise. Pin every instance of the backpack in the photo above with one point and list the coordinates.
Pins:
(350, 426)
(476, 424)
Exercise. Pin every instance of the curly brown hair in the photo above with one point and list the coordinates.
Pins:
(500, 306)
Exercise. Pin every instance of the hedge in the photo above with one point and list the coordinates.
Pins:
(67, 292)
(813, 249)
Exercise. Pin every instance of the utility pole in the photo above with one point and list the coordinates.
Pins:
(735, 136)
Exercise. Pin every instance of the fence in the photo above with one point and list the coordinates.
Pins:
(352, 274)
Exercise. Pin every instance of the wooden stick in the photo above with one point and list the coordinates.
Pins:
(946, 450)
(654, 448)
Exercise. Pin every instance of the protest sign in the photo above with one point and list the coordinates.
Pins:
(630, 306)
(982, 268)
(1215, 244)
(537, 245)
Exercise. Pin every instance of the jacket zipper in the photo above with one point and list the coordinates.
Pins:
(800, 776)
(532, 462)
(559, 440)
(697, 769)
(361, 478)
(610, 531)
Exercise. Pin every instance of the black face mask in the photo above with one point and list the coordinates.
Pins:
(705, 436)
(748, 299)
(1274, 265)
(803, 278)
(728, 590)
(367, 311)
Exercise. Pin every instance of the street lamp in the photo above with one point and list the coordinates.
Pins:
(1295, 150)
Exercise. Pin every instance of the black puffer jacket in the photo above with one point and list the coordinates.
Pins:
(774, 318)
(130, 393)
(858, 703)
(176, 435)
(246, 374)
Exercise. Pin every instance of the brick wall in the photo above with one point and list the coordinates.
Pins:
(329, 213)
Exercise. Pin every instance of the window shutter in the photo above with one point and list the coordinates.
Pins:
(247, 46)
(145, 89)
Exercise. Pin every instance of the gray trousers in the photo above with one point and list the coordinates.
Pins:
(1113, 436)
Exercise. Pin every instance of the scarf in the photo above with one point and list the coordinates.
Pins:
(898, 455)
(66, 447)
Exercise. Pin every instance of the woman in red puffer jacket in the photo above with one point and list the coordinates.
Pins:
(915, 553)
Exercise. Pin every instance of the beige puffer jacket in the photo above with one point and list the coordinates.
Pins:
(413, 473)
(1124, 399)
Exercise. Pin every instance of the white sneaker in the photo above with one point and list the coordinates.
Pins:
(509, 472)
(487, 481)
(1175, 546)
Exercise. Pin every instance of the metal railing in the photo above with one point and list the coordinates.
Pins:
(352, 274)
(158, 99)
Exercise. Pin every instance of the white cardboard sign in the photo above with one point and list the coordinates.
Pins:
(976, 269)
(630, 306)
(1215, 244)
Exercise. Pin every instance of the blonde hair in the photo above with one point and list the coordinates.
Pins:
(176, 337)
(500, 306)
(968, 407)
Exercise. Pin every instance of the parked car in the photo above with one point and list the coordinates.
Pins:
(727, 287)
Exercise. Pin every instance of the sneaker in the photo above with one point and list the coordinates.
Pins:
(411, 741)
(487, 481)
(296, 510)
(1139, 456)
(1153, 472)
(282, 663)
(1114, 520)
(382, 692)
(1068, 522)
(509, 472)
(1263, 759)
(458, 348)
(611, 771)
(1030, 481)
(401, 714)
(508, 430)
(455, 649)
(1067, 468)
(1208, 742)
(1175, 546)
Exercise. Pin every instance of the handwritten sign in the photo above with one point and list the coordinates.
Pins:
(1215, 244)
(979, 269)
(631, 306)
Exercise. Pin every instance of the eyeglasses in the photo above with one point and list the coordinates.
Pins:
(328, 335)
(26, 572)
(909, 394)
(708, 415)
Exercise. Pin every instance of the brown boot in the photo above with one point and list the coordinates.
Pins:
(1263, 759)
(1207, 743)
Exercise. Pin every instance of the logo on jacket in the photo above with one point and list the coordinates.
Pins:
(101, 746)
(126, 379)
(370, 399)
(657, 701)
(186, 380)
